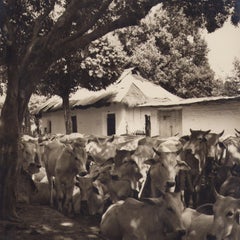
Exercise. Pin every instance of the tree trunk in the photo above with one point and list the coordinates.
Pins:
(26, 129)
(67, 114)
(9, 136)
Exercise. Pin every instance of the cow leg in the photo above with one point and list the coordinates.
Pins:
(51, 191)
(60, 195)
(68, 203)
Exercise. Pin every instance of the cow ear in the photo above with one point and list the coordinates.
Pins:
(222, 145)
(206, 209)
(150, 161)
(95, 190)
(185, 138)
(21, 145)
(183, 165)
(132, 152)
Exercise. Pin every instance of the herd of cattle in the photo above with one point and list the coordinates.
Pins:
(144, 188)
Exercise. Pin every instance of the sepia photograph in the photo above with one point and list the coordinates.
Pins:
(119, 120)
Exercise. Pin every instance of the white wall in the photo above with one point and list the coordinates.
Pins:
(89, 121)
(94, 120)
(214, 116)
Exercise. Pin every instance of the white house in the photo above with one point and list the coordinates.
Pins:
(134, 105)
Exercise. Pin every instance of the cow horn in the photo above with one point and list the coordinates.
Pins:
(216, 194)
(221, 133)
(237, 131)
(156, 151)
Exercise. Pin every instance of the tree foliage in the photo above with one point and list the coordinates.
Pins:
(175, 57)
(232, 84)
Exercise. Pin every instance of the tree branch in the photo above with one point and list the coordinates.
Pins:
(66, 18)
(89, 24)
(71, 45)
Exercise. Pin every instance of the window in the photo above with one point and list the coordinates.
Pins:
(49, 127)
(74, 123)
(111, 124)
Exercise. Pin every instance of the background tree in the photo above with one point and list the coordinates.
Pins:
(98, 66)
(33, 36)
(175, 57)
(232, 84)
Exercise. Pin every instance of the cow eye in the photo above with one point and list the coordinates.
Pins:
(230, 214)
(170, 209)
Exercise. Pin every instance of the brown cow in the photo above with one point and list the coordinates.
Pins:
(101, 150)
(226, 224)
(64, 162)
(29, 156)
(197, 224)
(29, 165)
(232, 145)
(165, 165)
(150, 219)
(118, 189)
(162, 173)
(91, 197)
(195, 151)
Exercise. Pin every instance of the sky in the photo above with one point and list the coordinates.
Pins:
(224, 46)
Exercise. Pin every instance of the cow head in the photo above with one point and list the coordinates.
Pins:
(29, 155)
(197, 146)
(90, 195)
(170, 207)
(226, 218)
(195, 141)
(80, 158)
(214, 146)
(164, 169)
(129, 170)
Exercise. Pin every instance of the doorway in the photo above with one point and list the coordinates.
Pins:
(111, 124)
(170, 122)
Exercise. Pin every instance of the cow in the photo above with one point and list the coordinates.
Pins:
(197, 224)
(118, 189)
(231, 187)
(149, 219)
(127, 168)
(64, 162)
(99, 150)
(29, 164)
(226, 224)
(164, 168)
(194, 153)
(232, 156)
(92, 199)
(215, 146)
(29, 156)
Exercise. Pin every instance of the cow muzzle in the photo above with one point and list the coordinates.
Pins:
(83, 173)
(170, 184)
(211, 237)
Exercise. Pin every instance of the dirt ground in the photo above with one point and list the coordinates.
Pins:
(43, 222)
